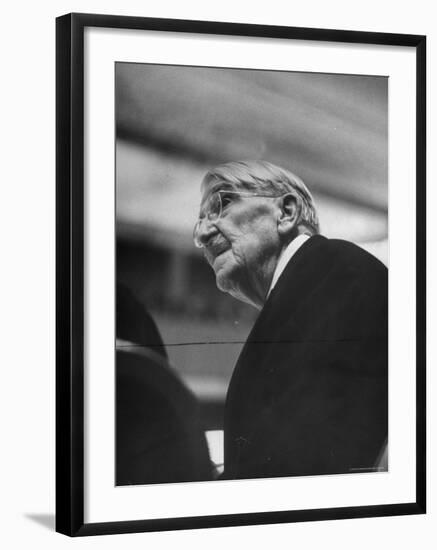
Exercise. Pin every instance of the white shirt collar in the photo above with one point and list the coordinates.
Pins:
(285, 257)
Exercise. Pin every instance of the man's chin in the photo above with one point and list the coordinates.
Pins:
(222, 281)
(230, 286)
(223, 275)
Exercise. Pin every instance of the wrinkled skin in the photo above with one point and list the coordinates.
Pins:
(244, 245)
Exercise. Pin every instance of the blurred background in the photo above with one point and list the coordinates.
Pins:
(172, 124)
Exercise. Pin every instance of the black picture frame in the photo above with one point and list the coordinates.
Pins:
(70, 272)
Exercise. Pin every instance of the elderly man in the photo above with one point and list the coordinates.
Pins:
(308, 395)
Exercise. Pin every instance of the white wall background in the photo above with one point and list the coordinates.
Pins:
(28, 263)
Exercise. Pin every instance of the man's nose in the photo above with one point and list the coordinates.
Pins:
(205, 231)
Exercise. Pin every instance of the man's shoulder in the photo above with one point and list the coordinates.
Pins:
(352, 254)
(332, 263)
(324, 261)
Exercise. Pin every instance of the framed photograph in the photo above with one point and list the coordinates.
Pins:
(240, 274)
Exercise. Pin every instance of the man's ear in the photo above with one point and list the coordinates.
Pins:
(289, 216)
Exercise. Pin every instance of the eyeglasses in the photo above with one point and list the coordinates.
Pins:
(214, 207)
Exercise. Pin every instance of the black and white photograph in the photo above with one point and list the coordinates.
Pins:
(218, 274)
(240, 255)
(252, 263)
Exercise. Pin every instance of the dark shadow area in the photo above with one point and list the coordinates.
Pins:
(46, 520)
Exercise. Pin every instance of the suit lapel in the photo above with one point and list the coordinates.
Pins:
(292, 287)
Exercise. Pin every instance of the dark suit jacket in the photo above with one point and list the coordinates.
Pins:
(309, 392)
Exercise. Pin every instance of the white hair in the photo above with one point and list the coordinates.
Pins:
(260, 176)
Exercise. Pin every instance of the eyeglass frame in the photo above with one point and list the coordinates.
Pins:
(214, 219)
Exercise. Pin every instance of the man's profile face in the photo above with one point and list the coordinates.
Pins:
(243, 245)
